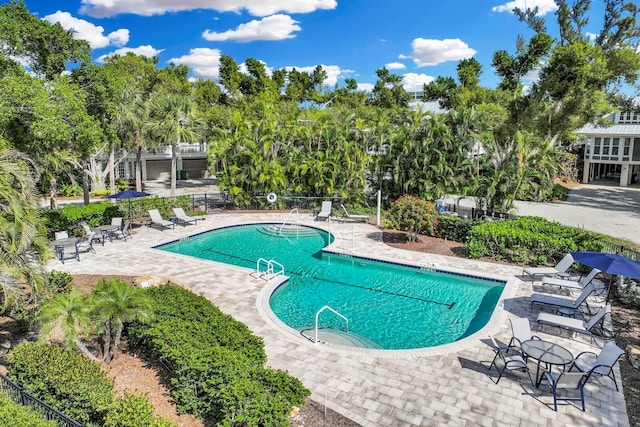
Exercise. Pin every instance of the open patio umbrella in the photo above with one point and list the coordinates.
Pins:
(609, 263)
(128, 194)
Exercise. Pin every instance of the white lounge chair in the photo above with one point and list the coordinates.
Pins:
(573, 324)
(183, 218)
(156, 219)
(571, 284)
(551, 300)
(559, 270)
(325, 212)
(363, 218)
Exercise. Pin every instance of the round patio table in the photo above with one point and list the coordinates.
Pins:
(105, 231)
(546, 352)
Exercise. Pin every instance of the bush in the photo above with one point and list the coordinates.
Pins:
(134, 410)
(13, 414)
(454, 228)
(68, 190)
(69, 217)
(413, 215)
(66, 380)
(100, 193)
(528, 240)
(216, 364)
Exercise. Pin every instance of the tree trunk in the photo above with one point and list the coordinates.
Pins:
(85, 181)
(112, 168)
(174, 167)
(53, 195)
(106, 342)
(139, 169)
(83, 348)
(114, 345)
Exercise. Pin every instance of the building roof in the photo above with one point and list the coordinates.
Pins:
(618, 130)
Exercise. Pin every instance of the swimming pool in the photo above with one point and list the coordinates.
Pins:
(388, 306)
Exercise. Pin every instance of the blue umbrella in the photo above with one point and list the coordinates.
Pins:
(609, 263)
(128, 194)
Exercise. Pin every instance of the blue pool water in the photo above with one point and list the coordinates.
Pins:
(388, 306)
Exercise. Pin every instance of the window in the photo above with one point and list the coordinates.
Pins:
(614, 148)
(627, 146)
(605, 146)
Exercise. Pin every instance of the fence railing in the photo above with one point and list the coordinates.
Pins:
(22, 397)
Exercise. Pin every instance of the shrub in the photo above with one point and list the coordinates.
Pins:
(413, 215)
(64, 379)
(69, 217)
(454, 228)
(100, 193)
(134, 410)
(13, 414)
(68, 190)
(528, 240)
(216, 364)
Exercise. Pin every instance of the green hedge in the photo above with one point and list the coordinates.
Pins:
(528, 240)
(66, 380)
(12, 414)
(69, 217)
(216, 364)
(134, 410)
(455, 228)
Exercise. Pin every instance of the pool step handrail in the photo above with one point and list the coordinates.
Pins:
(326, 307)
(269, 271)
(287, 219)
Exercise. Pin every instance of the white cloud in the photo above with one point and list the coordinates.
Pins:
(544, 6)
(395, 66)
(412, 82)
(85, 30)
(591, 36)
(275, 27)
(106, 8)
(333, 72)
(367, 87)
(434, 52)
(203, 62)
(146, 50)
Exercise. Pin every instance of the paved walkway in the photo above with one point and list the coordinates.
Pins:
(447, 385)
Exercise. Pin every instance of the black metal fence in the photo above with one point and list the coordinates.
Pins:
(475, 213)
(22, 397)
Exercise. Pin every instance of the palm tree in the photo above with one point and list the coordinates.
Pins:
(114, 303)
(173, 120)
(23, 244)
(69, 315)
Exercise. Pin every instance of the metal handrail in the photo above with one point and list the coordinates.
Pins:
(270, 272)
(276, 263)
(287, 219)
(326, 307)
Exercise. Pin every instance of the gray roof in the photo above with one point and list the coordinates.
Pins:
(619, 130)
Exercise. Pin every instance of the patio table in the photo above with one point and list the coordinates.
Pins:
(546, 352)
(106, 230)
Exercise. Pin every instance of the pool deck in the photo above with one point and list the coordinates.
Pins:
(447, 385)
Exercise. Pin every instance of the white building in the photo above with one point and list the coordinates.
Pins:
(156, 162)
(613, 151)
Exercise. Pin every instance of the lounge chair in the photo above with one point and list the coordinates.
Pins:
(559, 302)
(122, 234)
(601, 364)
(363, 218)
(511, 363)
(567, 381)
(573, 324)
(156, 219)
(183, 218)
(559, 270)
(325, 212)
(571, 284)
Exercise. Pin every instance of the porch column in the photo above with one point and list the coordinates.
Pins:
(585, 172)
(625, 175)
(143, 168)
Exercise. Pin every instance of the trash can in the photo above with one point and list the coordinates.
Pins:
(183, 174)
(177, 175)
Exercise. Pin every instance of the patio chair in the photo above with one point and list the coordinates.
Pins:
(122, 234)
(567, 381)
(601, 364)
(325, 212)
(520, 332)
(61, 235)
(573, 324)
(559, 302)
(363, 218)
(559, 270)
(510, 362)
(116, 221)
(571, 284)
(68, 250)
(183, 218)
(87, 231)
(86, 244)
(156, 219)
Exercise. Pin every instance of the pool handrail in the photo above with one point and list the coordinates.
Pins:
(326, 307)
(287, 219)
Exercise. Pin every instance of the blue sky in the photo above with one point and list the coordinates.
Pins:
(418, 39)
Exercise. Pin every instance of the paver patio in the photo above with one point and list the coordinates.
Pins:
(447, 385)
